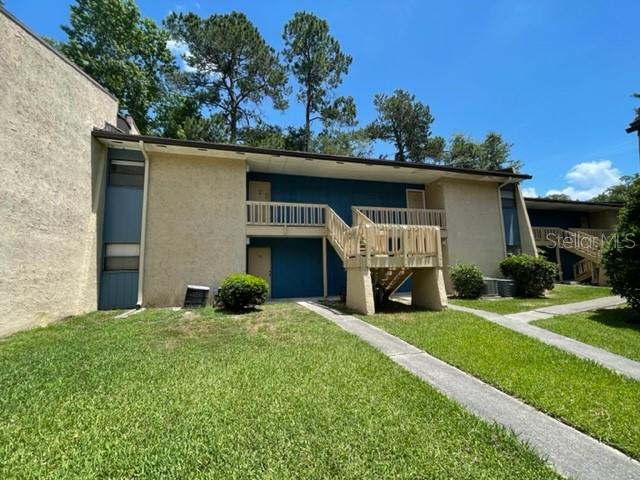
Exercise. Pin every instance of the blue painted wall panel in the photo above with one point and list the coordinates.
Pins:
(123, 215)
(339, 194)
(296, 266)
(118, 290)
(122, 221)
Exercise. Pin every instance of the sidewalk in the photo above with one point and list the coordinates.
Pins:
(572, 453)
(518, 323)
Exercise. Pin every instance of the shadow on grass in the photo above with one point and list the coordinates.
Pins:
(390, 307)
(625, 318)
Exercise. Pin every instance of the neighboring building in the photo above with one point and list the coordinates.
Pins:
(92, 215)
(52, 181)
(572, 234)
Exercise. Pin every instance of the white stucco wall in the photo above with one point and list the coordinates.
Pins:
(196, 225)
(51, 181)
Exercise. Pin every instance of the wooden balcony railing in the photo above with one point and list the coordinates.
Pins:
(365, 243)
(602, 233)
(282, 213)
(405, 216)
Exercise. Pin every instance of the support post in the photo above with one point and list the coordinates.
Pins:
(324, 268)
(427, 288)
(559, 261)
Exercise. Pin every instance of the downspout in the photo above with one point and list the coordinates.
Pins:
(143, 224)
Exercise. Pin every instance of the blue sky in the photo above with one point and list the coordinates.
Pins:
(554, 77)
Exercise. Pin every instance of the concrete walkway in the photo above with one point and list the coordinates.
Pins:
(618, 363)
(571, 452)
(568, 308)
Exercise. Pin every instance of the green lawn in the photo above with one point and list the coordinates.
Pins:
(580, 393)
(616, 330)
(559, 295)
(279, 393)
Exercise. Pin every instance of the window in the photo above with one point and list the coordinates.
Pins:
(510, 218)
(122, 257)
(126, 174)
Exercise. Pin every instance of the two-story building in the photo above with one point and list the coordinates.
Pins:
(183, 212)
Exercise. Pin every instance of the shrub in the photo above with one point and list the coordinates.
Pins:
(467, 280)
(621, 257)
(531, 275)
(241, 291)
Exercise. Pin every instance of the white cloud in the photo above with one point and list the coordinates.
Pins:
(180, 50)
(588, 179)
(529, 192)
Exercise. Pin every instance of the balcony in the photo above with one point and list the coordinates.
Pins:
(379, 237)
(310, 219)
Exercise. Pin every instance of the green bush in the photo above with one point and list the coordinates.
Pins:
(531, 275)
(621, 256)
(467, 280)
(241, 291)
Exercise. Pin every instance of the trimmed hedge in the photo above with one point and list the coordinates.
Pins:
(241, 291)
(467, 280)
(531, 275)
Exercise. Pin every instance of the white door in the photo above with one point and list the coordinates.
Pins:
(259, 191)
(415, 198)
(259, 263)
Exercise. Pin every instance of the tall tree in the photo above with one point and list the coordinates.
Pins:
(493, 153)
(317, 62)
(231, 67)
(406, 122)
(126, 53)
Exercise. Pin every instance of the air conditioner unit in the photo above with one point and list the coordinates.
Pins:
(498, 287)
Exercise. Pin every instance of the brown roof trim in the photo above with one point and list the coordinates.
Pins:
(37, 37)
(575, 202)
(292, 153)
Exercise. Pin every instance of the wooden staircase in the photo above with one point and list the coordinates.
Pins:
(389, 251)
(390, 279)
(578, 242)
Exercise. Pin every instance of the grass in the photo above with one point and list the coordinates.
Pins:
(579, 392)
(278, 393)
(616, 330)
(559, 295)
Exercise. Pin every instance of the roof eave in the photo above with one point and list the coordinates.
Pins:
(98, 133)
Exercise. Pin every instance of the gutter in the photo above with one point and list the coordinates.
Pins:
(143, 225)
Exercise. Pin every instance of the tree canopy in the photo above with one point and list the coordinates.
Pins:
(493, 153)
(557, 196)
(317, 62)
(231, 67)
(618, 193)
(227, 72)
(406, 122)
(126, 53)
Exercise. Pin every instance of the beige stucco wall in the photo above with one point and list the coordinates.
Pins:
(474, 224)
(51, 176)
(196, 225)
